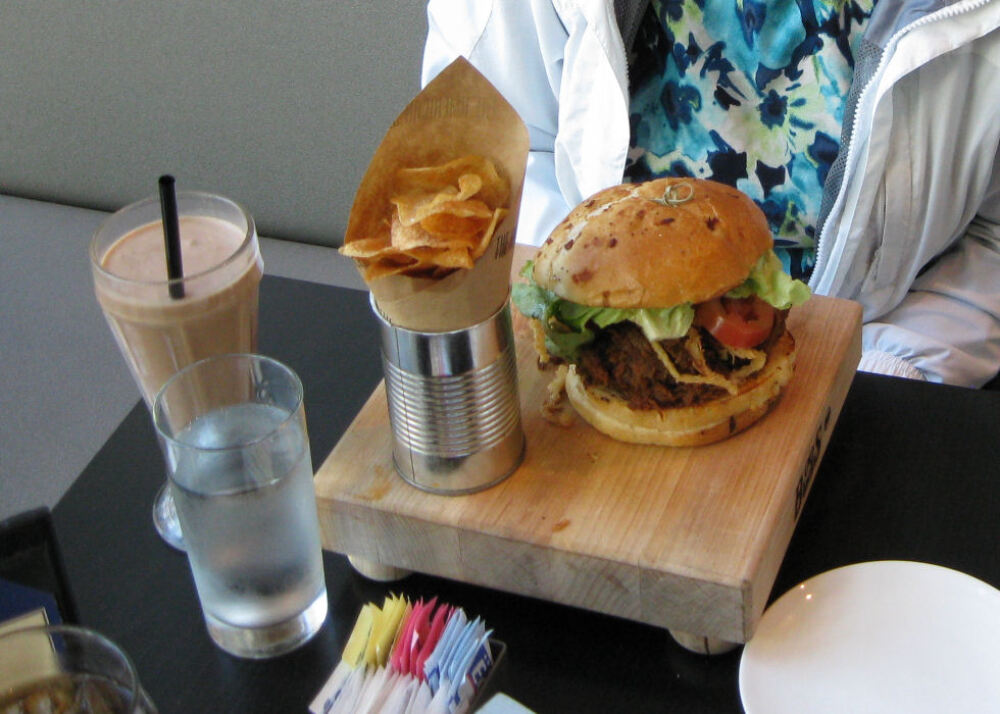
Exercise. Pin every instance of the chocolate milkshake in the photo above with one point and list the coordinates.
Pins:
(158, 333)
(163, 324)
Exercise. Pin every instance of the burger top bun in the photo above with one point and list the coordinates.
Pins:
(654, 244)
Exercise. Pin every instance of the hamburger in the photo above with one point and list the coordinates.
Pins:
(666, 304)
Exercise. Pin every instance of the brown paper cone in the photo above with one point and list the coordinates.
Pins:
(458, 113)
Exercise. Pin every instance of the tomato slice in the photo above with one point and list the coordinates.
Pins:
(736, 322)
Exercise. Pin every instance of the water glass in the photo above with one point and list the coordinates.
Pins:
(68, 668)
(234, 437)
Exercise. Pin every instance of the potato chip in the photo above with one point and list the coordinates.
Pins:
(470, 208)
(440, 249)
(406, 237)
(467, 209)
(456, 226)
(453, 257)
(494, 191)
(383, 268)
(459, 188)
(442, 219)
(413, 208)
(468, 185)
(484, 242)
(368, 248)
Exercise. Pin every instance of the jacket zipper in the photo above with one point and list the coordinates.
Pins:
(943, 13)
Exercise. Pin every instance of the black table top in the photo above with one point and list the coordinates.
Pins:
(912, 472)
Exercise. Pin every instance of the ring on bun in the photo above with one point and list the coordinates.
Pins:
(667, 303)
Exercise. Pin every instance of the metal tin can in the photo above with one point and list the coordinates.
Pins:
(453, 402)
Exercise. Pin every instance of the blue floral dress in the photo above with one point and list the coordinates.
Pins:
(751, 94)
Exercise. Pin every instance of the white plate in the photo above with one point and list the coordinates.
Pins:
(887, 636)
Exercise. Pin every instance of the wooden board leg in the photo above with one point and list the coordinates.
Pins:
(702, 644)
(373, 570)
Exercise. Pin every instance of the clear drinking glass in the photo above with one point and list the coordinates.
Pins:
(55, 665)
(162, 325)
(234, 437)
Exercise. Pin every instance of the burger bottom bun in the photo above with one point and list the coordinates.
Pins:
(687, 426)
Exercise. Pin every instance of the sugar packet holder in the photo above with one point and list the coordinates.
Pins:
(459, 674)
(405, 698)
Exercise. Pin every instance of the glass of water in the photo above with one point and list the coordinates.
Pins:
(233, 433)
(65, 668)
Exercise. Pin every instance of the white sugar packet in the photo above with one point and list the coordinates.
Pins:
(399, 695)
(439, 704)
(322, 703)
(367, 690)
(378, 686)
(409, 696)
(421, 701)
(347, 697)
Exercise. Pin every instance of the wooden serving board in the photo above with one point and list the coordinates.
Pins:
(689, 539)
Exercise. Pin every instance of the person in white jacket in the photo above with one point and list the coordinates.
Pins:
(904, 214)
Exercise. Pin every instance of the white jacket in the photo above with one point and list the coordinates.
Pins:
(920, 168)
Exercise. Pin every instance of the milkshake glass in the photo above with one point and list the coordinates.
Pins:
(162, 325)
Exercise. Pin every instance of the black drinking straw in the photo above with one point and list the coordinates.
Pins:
(171, 236)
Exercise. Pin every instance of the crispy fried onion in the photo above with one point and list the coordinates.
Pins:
(555, 408)
(538, 334)
(755, 358)
(706, 375)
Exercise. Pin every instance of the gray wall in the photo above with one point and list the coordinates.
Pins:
(278, 105)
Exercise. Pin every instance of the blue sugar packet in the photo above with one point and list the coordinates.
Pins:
(433, 666)
(464, 683)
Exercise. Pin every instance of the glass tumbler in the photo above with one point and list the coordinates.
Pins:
(68, 668)
(233, 433)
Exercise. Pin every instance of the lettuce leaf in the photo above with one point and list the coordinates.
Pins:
(769, 281)
(567, 323)
(561, 340)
